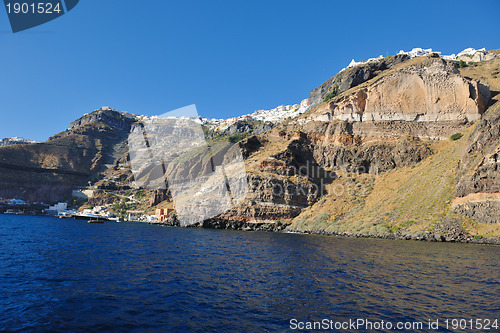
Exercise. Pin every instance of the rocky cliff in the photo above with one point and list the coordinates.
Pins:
(352, 77)
(478, 180)
(398, 148)
(49, 171)
(427, 89)
(380, 158)
(478, 183)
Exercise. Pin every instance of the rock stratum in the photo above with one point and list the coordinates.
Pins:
(425, 90)
(398, 148)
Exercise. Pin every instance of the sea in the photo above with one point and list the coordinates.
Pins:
(66, 275)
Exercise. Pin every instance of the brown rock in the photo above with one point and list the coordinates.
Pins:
(429, 91)
(158, 196)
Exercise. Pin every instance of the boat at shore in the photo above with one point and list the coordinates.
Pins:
(65, 214)
(90, 217)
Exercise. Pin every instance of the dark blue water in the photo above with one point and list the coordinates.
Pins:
(68, 275)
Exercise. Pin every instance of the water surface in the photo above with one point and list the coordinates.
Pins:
(68, 275)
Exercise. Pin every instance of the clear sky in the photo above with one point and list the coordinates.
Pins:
(227, 57)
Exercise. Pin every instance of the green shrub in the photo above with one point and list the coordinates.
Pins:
(456, 136)
(140, 194)
(236, 137)
(462, 64)
(407, 223)
(120, 208)
(394, 229)
(332, 94)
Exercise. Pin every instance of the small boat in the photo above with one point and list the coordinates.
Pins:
(89, 217)
(96, 221)
(64, 215)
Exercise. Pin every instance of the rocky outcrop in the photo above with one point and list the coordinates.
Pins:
(484, 207)
(111, 186)
(354, 147)
(478, 181)
(242, 224)
(451, 231)
(352, 77)
(485, 176)
(479, 169)
(248, 127)
(477, 56)
(250, 145)
(428, 91)
(158, 196)
(228, 223)
(49, 171)
(272, 197)
(101, 198)
(117, 120)
(374, 159)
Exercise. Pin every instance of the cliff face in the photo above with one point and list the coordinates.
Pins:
(430, 91)
(116, 120)
(353, 77)
(372, 158)
(425, 90)
(49, 171)
(478, 183)
(478, 173)
(290, 170)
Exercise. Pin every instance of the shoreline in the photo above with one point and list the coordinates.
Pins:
(426, 238)
(281, 228)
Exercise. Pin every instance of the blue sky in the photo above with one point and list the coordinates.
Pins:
(227, 57)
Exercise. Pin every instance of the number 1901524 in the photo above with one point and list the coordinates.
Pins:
(472, 324)
(32, 8)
